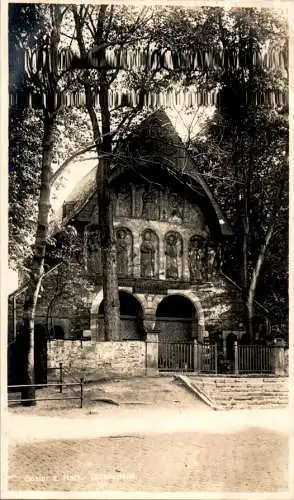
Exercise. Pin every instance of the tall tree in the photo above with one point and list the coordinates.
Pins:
(27, 27)
(247, 154)
(45, 80)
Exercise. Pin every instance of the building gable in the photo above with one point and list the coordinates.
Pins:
(154, 146)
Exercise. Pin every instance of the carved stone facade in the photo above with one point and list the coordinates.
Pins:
(169, 234)
(159, 235)
(93, 249)
(124, 248)
(174, 255)
(165, 246)
(143, 201)
(149, 254)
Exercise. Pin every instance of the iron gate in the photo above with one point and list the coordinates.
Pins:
(207, 358)
(175, 356)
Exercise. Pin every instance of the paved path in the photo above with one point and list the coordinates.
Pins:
(169, 442)
(152, 450)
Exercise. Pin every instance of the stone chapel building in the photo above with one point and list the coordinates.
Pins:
(170, 232)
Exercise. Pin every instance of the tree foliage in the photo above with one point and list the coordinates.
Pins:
(244, 154)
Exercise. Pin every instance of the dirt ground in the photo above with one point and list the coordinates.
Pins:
(250, 460)
(215, 457)
(155, 441)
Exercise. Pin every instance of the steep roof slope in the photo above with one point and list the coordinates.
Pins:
(155, 141)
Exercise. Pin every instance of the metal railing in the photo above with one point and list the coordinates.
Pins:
(254, 359)
(60, 384)
(175, 356)
(207, 358)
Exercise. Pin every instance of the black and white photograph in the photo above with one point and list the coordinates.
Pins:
(146, 229)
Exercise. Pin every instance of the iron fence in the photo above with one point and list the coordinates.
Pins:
(175, 356)
(207, 358)
(255, 359)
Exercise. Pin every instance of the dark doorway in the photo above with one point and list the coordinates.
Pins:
(174, 318)
(57, 333)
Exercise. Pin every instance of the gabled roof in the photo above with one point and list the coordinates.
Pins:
(165, 143)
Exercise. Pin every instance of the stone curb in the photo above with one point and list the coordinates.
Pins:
(196, 391)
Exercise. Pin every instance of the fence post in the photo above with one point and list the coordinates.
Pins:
(82, 392)
(215, 358)
(60, 377)
(195, 356)
(236, 357)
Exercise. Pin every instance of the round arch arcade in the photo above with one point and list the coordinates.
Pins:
(131, 317)
(176, 319)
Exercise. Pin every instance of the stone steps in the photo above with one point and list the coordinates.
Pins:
(243, 392)
(248, 397)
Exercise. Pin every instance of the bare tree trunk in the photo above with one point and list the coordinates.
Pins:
(37, 268)
(248, 316)
(257, 269)
(104, 199)
(107, 236)
(108, 255)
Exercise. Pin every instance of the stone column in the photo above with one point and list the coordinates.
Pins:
(236, 358)
(152, 353)
(201, 333)
(162, 258)
(280, 361)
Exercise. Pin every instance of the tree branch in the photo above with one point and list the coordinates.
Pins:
(63, 166)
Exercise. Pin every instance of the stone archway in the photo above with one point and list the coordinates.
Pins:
(198, 324)
(131, 316)
(175, 316)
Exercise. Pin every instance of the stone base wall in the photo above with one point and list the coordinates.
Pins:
(281, 361)
(107, 358)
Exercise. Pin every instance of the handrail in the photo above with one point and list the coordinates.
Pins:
(70, 384)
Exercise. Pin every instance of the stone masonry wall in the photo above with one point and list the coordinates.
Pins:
(107, 358)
